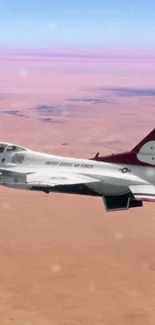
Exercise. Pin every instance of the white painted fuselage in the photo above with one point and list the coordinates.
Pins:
(123, 180)
(112, 177)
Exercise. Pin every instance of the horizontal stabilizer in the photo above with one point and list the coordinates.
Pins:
(143, 192)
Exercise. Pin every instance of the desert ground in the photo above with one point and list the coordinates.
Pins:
(63, 259)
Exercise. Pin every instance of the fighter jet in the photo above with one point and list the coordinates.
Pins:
(122, 180)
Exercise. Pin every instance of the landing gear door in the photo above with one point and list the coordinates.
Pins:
(120, 202)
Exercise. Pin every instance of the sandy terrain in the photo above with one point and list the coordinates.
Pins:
(63, 259)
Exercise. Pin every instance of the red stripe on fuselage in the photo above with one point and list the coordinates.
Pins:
(127, 158)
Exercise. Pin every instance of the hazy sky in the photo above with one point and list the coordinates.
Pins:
(77, 23)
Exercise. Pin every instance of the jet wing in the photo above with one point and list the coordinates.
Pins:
(56, 179)
(73, 183)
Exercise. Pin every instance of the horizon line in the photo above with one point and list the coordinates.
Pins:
(99, 54)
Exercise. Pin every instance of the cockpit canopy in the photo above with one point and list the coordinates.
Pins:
(8, 147)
